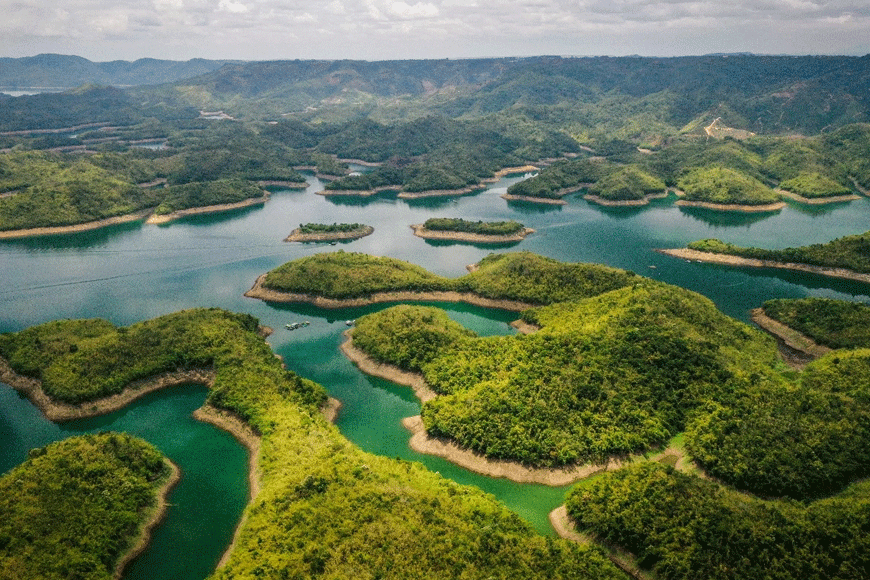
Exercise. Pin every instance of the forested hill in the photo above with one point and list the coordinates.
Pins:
(764, 94)
(66, 71)
(641, 100)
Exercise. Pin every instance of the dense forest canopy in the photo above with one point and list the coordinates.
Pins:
(325, 507)
(73, 508)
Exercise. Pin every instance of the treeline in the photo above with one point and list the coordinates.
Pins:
(312, 228)
(75, 507)
(682, 527)
(504, 228)
(849, 252)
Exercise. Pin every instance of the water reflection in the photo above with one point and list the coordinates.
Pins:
(726, 219)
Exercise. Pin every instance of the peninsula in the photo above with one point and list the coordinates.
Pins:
(844, 257)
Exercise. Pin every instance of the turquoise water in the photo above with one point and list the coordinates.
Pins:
(134, 272)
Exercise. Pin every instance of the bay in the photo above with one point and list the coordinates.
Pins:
(133, 272)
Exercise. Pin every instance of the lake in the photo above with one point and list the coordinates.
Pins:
(133, 272)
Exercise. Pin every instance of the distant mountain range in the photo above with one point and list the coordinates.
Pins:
(58, 71)
(639, 99)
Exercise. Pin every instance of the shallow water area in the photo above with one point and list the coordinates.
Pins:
(137, 271)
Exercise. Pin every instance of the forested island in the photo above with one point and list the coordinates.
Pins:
(82, 507)
(458, 229)
(845, 257)
(311, 232)
(340, 500)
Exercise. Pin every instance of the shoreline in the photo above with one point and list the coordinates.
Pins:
(441, 192)
(790, 337)
(817, 200)
(287, 184)
(731, 260)
(261, 293)
(421, 232)
(624, 202)
(506, 171)
(59, 412)
(147, 528)
(240, 430)
(529, 199)
(774, 206)
(76, 228)
(358, 192)
(207, 209)
(297, 236)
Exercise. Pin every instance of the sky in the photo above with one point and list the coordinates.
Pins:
(105, 30)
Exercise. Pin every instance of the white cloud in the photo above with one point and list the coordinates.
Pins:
(407, 11)
(232, 7)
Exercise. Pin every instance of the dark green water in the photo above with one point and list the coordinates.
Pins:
(135, 272)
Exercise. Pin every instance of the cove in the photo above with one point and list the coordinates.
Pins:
(135, 271)
(208, 500)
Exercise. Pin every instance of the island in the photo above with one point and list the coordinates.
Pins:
(312, 232)
(457, 229)
(340, 500)
(845, 257)
(83, 507)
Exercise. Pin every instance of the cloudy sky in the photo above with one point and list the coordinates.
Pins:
(103, 30)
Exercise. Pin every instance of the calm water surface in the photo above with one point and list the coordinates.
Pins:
(134, 272)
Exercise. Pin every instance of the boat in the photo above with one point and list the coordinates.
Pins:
(349, 322)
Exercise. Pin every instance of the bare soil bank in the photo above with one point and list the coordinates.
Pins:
(626, 202)
(817, 200)
(95, 225)
(776, 206)
(157, 516)
(162, 219)
(58, 411)
(421, 232)
(729, 260)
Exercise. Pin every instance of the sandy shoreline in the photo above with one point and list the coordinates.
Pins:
(789, 336)
(421, 232)
(159, 512)
(85, 227)
(258, 291)
(287, 184)
(776, 206)
(232, 424)
(441, 192)
(358, 192)
(817, 200)
(162, 219)
(297, 235)
(729, 260)
(529, 199)
(626, 202)
(59, 412)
